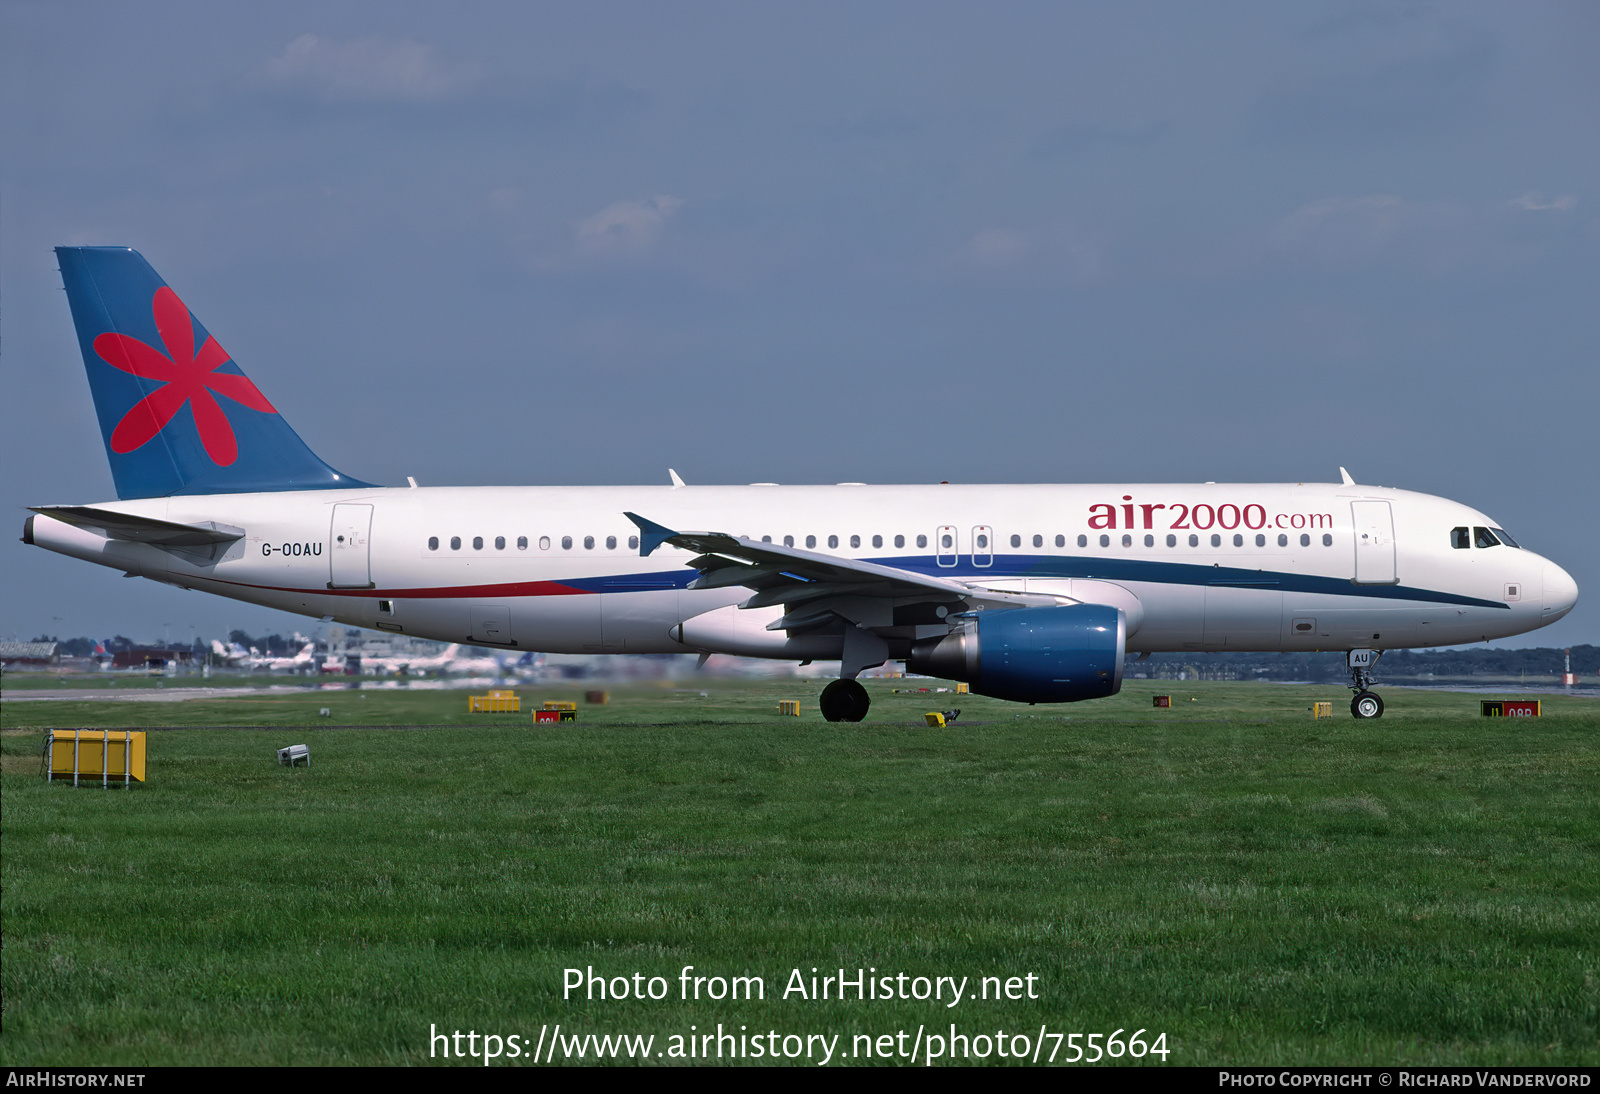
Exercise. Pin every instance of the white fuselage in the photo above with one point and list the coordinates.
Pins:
(1195, 567)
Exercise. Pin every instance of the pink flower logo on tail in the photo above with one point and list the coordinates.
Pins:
(186, 377)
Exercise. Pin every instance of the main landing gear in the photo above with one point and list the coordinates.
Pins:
(845, 701)
(1366, 704)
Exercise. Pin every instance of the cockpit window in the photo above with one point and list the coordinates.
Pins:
(1482, 537)
(1507, 540)
(1460, 539)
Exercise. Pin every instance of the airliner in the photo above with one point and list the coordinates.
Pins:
(234, 655)
(1031, 593)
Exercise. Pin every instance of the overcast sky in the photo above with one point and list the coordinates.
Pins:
(583, 242)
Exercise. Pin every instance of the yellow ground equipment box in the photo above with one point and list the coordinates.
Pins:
(789, 706)
(935, 718)
(560, 704)
(84, 755)
(962, 689)
(1322, 709)
(496, 702)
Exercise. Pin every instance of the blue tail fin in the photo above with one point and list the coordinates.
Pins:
(178, 416)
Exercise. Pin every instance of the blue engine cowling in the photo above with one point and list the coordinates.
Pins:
(1032, 655)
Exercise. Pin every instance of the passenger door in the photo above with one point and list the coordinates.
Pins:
(1375, 547)
(349, 549)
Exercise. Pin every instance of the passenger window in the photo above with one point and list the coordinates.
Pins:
(1172, 540)
(611, 543)
(566, 543)
(1482, 537)
(788, 541)
(1016, 541)
(544, 543)
(433, 543)
(1127, 541)
(1305, 540)
(1194, 540)
(811, 541)
(922, 541)
(1038, 541)
(1083, 541)
(1460, 539)
(766, 539)
(833, 541)
(477, 543)
(855, 541)
(588, 543)
(877, 541)
(1327, 539)
(1261, 540)
(455, 543)
(899, 541)
(522, 543)
(1105, 541)
(947, 542)
(983, 542)
(1061, 541)
(499, 543)
(1283, 540)
(1149, 541)
(633, 543)
(1216, 540)
(1238, 540)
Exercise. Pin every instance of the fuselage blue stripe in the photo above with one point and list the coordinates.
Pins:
(1089, 568)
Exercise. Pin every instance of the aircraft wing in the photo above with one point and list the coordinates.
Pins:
(158, 533)
(815, 588)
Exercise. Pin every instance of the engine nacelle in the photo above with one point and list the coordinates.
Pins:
(1032, 655)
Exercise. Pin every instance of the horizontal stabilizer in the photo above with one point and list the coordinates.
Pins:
(158, 533)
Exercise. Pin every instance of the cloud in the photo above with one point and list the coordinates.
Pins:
(626, 227)
(373, 69)
(997, 247)
(1074, 139)
(1050, 250)
(507, 200)
(1533, 200)
(1380, 73)
(1381, 231)
(1341, 228)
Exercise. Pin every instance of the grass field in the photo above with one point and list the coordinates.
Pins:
(1259, 887)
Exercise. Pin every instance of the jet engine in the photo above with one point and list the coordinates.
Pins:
(1031, 655)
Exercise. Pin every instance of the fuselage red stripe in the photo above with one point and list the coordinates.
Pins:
(446, 592)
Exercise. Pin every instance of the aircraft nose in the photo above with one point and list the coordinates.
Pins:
(1560, 592)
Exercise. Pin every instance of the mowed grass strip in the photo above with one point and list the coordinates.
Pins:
(1261, 887)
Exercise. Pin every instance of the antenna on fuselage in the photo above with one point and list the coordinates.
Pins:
(1344, 477)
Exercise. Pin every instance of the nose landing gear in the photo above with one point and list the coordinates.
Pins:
(1367, 703)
